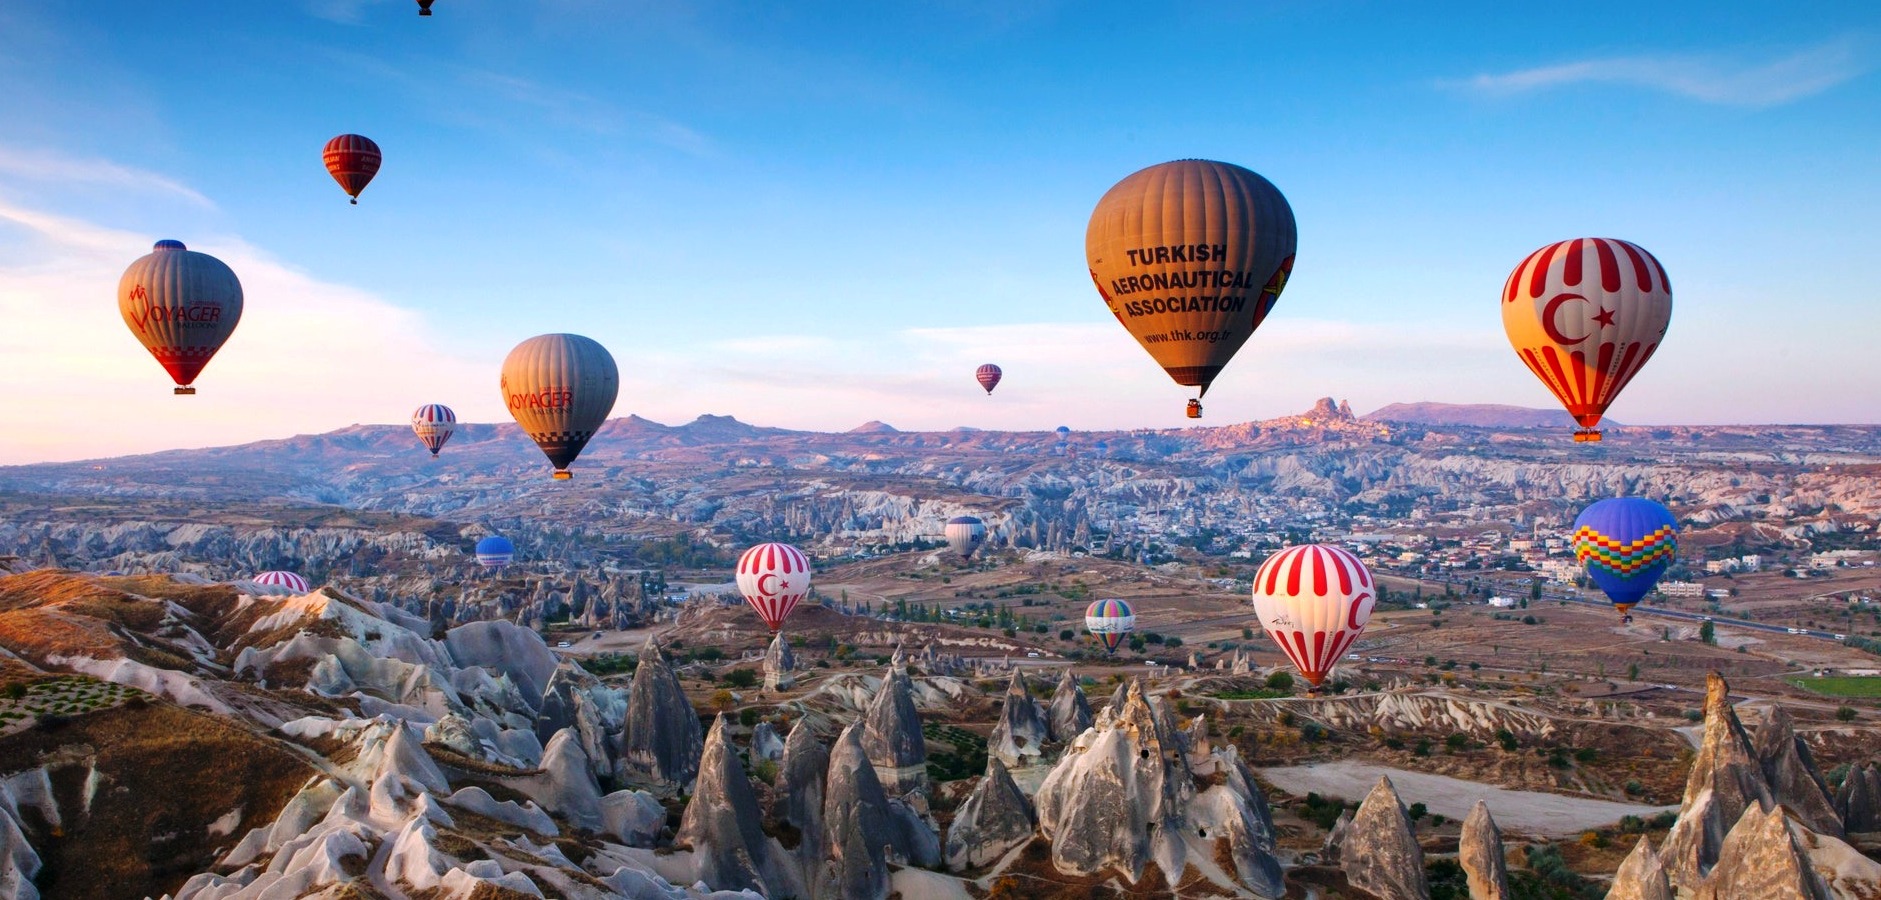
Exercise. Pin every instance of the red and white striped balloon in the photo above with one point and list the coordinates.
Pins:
(280, 579)
(774, 578)
(988, 376)
(1314, 601)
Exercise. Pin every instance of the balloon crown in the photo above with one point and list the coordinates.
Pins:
(167, 244)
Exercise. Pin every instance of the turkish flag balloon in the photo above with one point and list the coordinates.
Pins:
(1190, 256)
(182, 306)
(352, 160)
(560, 388)
(1585, 315)
(1314, 601)
(774, 578)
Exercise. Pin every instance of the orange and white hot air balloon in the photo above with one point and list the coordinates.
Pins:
(774, 578)
(182, 305)
(1191, 256)
(560, 388)
(1314, 601)
(1585, 315)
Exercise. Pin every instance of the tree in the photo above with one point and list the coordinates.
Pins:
(722, 700)
(740, 678)
(1708, 633)
(1845, 713)
(1280, 681)
(1632, 672)
(1418, 811)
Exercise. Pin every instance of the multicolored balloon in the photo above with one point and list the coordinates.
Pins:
(434, 423)
(1626, 543)
(352, 160)
(495, 552)
(774, 578)
(283, 579)
(560, 388)
(1314, 601)
(988, 377)
(1585, 315)
(1190, 256)
(182, 306)
(965, 534)
(1110, 621)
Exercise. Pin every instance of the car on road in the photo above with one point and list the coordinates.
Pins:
(597, 634)
(1797, 631)
(561, 645)
(1841, 637)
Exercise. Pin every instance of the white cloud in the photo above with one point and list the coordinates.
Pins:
(39, 165)
(1709, 78)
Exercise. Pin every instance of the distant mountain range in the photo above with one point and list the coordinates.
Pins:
(1475, 415)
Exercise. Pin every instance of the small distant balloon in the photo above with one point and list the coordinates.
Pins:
(182, 306)
(1110, 621)
(434, 423)
(965, 534)
(424, 7)
(352, 160)
(988, 377)
(495, 552)
(560, 388)
(1626, 543)
(1314, 601)
(282, 579)
(773, 578)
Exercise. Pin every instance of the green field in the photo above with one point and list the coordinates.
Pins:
(1845, 686)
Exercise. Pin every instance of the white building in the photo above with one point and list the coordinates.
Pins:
(1682, 589)
(1502, 602)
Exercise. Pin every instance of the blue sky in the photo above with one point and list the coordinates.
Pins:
(815, 215)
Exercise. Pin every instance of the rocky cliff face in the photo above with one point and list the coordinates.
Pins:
(1760, 859)
(994, 818)
(1725, 780)
(1792, 774)
(1380, 853)
(1859, 799)
(1641, 876)
(1021, 732)
(778, 663)
(722, 824)
(891, 735)
(661, 743)
(1480, 853)
(1070, 712)
(856, 824)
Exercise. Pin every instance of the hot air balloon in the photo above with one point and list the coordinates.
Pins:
(434, 423)
(1584, 315)
(1626, 543)
(1314, 601)
(965, 534)
(495, 552)
(1111, 622)
(182, 305)
(281, 579)
(1102, 448)
(773, 577)
(560, 388)
(988, 377)
(424, 7)
(1190, 256)
(352, 160)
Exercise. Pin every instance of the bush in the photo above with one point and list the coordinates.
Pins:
(1423, 747)
(1586, 755)
(1593, 839)
(1663, 820)
(748, 717)
(1456, 741)
(1418, 811)
(1280, 681)
(1506, 738)
(1394, 743)
(743, 678)
(16, 690)
(1633, 789)
(1845, 713)
(1313, 732)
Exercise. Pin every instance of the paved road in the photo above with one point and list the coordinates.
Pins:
(1526, 812)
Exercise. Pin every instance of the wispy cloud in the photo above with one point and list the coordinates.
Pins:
(41, 165)
(1730, 81)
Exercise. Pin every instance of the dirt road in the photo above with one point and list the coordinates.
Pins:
(1521, 812)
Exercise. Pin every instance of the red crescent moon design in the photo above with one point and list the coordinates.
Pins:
(764, 590)
(1548, 319)
(1352, 615)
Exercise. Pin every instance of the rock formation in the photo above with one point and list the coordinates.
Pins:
(1859, 800)
(1381, 853)
(1236, 812)
(721, 823)
(778, 664)
(1022, 730)
(994, 818)
(1069, 713)
(1760, 858)
(1725, 780)
(503, 647)
(1331, 849)
(1792, 775)
(765, 744)
(1481, 855)
(855, 823)
(891, 735)
(661, 742)
(1641, 875)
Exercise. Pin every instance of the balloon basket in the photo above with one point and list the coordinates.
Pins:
(186, 391)
(1587, 436)
(1194, 410)
(562, 475)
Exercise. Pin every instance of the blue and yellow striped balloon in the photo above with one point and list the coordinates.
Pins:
(1626, 543)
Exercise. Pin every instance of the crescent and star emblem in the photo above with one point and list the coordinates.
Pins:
(765, 590)
(1550, 315)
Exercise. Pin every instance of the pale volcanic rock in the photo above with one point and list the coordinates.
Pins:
(891, 736)
(504, 647)
(721, 822)
(994, 818)
(1725, 780)
(1070, 712)
(1761, 859)
(661, 741)
(855, 823)
(765, 744)
(1480, 852)
(799, 797)
(1022, 730)
(454, 732)
(527, 816)
(1641, 875)
(1792, 774)
(1236, 811)
(1333, 847)
(566, 784)
(1381, 853)
(778, 664)
(1859, 800)
(1411, 711)
(635, 817)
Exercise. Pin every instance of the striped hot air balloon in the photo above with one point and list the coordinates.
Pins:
(1626, 543)
(965, 534)
(352, 160)
(1110, 621)
(774, 578)
(1585, 315)
(495, 552)
(988, 377)
(283, 579)
(434, 423)
(182, 306)
(1314, 601)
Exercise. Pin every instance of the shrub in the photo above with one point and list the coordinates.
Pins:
(1506, 738)
(1456, 741)
(1663, 820)
(744, 678)
(1280, 681)
(1423, 747)
(748, 717)
(1845, 713)
(1586, 755)
(16, 690)
(1418, 811)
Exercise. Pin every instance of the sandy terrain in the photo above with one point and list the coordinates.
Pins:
(1522, 812)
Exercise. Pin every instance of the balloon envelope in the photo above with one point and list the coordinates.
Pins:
(1110, 621)
(1314, 601)
(965, 534)
(181, 305)
(1584, 315)
(352, 160)
(988, 376)
(282, 579)
(774, 578)
(495, 552)
(1626, 543)
(560, 388)
(1190, 256)
(434, 423)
